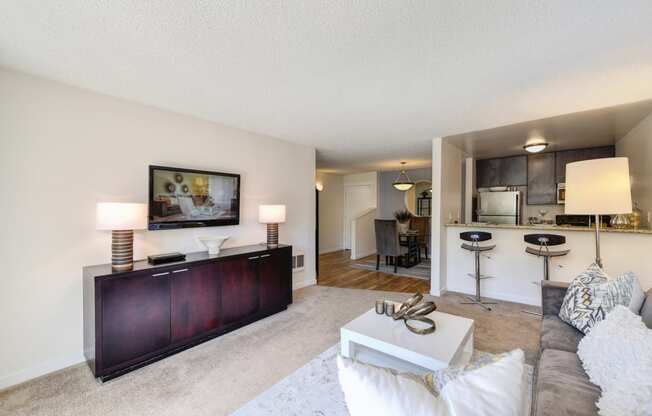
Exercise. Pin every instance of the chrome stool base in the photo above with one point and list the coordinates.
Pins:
(531, 313)
(479, 302)
(544, 241)
(476, 249)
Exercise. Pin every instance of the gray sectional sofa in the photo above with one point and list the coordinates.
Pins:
(562, 386)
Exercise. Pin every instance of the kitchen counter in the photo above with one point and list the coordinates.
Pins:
(550, 227)
(514, 270)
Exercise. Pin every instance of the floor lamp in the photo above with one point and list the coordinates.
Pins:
(598, 187)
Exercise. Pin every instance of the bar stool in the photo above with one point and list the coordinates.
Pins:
(544, 241)
(475, 237)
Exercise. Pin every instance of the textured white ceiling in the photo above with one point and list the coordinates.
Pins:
(367, 82)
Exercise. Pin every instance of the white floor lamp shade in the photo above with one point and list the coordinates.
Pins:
(598, 187)
(272, 215)
(121, 219)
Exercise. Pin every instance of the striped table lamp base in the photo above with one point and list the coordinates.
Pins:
(272, 235)
(122, 250)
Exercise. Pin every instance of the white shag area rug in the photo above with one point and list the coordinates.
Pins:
(314, 390)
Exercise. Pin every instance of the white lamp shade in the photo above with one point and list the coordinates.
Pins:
(598, 186)
(271, 214)
(121, 216)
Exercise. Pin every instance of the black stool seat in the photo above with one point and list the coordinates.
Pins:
(545, 239)
(477, 248)
(475, 236)
(546, 253)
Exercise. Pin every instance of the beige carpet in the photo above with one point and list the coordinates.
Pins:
(219, 376)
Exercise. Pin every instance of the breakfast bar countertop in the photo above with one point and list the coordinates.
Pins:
(551, 227)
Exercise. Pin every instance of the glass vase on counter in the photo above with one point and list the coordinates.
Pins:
(620, 221)
(635, 217)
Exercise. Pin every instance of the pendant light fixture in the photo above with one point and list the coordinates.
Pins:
(403, 181)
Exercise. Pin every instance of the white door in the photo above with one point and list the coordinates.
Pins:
(357, 198)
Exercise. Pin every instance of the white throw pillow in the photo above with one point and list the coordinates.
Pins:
(370, 390)
(591, 296)
(497, 389)
(617, 356)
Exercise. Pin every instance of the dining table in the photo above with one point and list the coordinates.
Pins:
(412, 256)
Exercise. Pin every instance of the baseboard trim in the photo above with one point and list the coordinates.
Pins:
(40, 370)
(509, 297)
(330, 250)
(442, 292)
(304, 283)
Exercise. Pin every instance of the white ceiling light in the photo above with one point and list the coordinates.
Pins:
(535, 147)
(403, 181)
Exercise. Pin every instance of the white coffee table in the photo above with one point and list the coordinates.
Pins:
(380, 340)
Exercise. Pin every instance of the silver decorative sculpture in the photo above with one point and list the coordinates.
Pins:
(415, 310)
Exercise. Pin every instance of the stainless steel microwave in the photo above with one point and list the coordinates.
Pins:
(561, 193)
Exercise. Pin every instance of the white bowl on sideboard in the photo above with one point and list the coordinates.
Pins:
(213, 243)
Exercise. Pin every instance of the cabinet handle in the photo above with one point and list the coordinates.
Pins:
(254, 257)
(265, 255)
(180, 271)
(160, 274)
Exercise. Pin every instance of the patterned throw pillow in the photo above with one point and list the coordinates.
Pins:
(436, 380)
(591, 296)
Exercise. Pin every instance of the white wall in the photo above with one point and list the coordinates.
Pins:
(391, 199)
(637, 146)
(360, 195)
(366, 178)
(451, 199)
(514, 270)
(64, 149)
(363, 235)
(331, 212)
(452, 186)
(437, 268)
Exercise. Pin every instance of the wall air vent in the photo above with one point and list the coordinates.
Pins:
(298, 261)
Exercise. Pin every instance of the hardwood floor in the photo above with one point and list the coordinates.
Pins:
(335, 270)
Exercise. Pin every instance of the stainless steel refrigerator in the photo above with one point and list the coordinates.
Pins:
(500, 207)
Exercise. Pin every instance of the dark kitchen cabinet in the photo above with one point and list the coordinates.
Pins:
(132, 318)
(139, 311)
(568, 156)
(501, 172)
(541, 184)
(487, 173)
(239, 292)
(513, 171)
(196, 306)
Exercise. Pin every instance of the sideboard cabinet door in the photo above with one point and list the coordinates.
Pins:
(136, 316)
(195, 301)
(239, 288)
(274, 270)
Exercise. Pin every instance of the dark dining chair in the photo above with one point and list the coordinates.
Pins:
(422, 226)
(387, 243)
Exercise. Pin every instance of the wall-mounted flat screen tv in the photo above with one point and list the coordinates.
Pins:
(184, 198)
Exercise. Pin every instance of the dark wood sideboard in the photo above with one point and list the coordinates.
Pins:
(137, 317)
